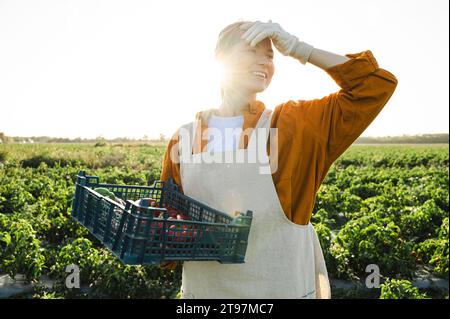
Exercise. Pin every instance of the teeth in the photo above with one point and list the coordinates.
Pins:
(259, 74)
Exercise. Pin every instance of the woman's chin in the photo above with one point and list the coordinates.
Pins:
(249, 88)
(259, 89)
(255, 87)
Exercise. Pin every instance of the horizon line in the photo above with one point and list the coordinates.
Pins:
(148, 138)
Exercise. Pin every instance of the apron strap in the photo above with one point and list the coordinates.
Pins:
(186, 139)
(262, 126)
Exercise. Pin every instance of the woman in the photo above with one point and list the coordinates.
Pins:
(284, 258)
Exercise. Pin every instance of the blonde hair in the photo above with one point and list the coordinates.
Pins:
(228, 38)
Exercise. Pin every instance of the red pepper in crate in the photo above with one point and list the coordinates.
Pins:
(148, 202)
(174, 212)
(181, 232)
(175, 232)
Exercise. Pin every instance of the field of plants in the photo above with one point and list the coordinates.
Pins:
(384, 205)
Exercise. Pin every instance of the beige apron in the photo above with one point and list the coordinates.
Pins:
(283, 259)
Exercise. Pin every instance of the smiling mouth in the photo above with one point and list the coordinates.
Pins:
(258, 74)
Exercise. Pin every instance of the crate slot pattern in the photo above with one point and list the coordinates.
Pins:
(145, 235)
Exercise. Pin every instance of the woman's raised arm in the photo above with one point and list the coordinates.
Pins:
(325, 60)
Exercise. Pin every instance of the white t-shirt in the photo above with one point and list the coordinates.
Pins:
(224, 133)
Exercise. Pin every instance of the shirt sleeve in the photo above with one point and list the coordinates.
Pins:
(340, 118)
(171, 163)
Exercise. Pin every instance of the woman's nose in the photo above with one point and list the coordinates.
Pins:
(263, 60)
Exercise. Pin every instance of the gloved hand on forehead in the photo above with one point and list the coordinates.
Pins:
(286, 43)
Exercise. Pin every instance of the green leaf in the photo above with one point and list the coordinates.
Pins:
(5, 237)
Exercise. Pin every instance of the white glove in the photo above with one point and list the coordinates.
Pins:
(286, 43)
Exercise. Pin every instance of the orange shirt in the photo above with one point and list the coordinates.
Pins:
(311, 134)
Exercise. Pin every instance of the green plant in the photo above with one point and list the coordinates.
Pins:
(81, 253)
(3, 156)
(400, 289)
(372, 240)
(420, 223)
(100, 144)
(20, 250)
(434, 251)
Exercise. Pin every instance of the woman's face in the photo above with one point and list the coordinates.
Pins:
(249, 69)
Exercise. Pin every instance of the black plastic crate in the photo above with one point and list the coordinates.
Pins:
(147, 235)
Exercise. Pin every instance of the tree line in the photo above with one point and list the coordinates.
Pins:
(403, 139)
(406, 139)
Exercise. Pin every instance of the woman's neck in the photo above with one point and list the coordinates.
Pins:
(234, 103)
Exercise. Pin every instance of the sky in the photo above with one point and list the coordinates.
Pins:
(144, 68)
